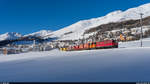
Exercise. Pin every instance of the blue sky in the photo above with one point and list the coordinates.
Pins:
(26, 16)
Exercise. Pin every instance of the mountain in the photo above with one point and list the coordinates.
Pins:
(17, 38)
(75, 31)
(41, 33)
(10, 36)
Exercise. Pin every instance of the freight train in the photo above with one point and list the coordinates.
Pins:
(93, 45)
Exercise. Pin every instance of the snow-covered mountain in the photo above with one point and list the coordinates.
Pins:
(14, 35)
(41, 33)
(75, 31)
(10, 36)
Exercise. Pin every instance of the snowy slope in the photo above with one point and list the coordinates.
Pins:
(40, 33)
(105, 65)
(9, 36)
(78, 28)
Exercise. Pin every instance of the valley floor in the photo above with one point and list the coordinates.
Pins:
(129, 63)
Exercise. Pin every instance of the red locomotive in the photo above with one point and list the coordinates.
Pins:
(93, 45)
(107, 44)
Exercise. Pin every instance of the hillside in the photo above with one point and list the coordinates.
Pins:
(76, 30)
(120, 25)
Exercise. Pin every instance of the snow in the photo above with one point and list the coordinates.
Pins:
(135, 44)
(40, 33)
(117, 16)
(9, 36)
(128, 63)
(14, 35)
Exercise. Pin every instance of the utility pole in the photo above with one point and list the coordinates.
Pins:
(94, 37)
(141, 23)
(34, 45)
(83, 39)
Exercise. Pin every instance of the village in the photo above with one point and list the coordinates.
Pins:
(120, 35)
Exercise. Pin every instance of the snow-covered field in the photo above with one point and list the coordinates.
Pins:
(135, 44)
(106, 65)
